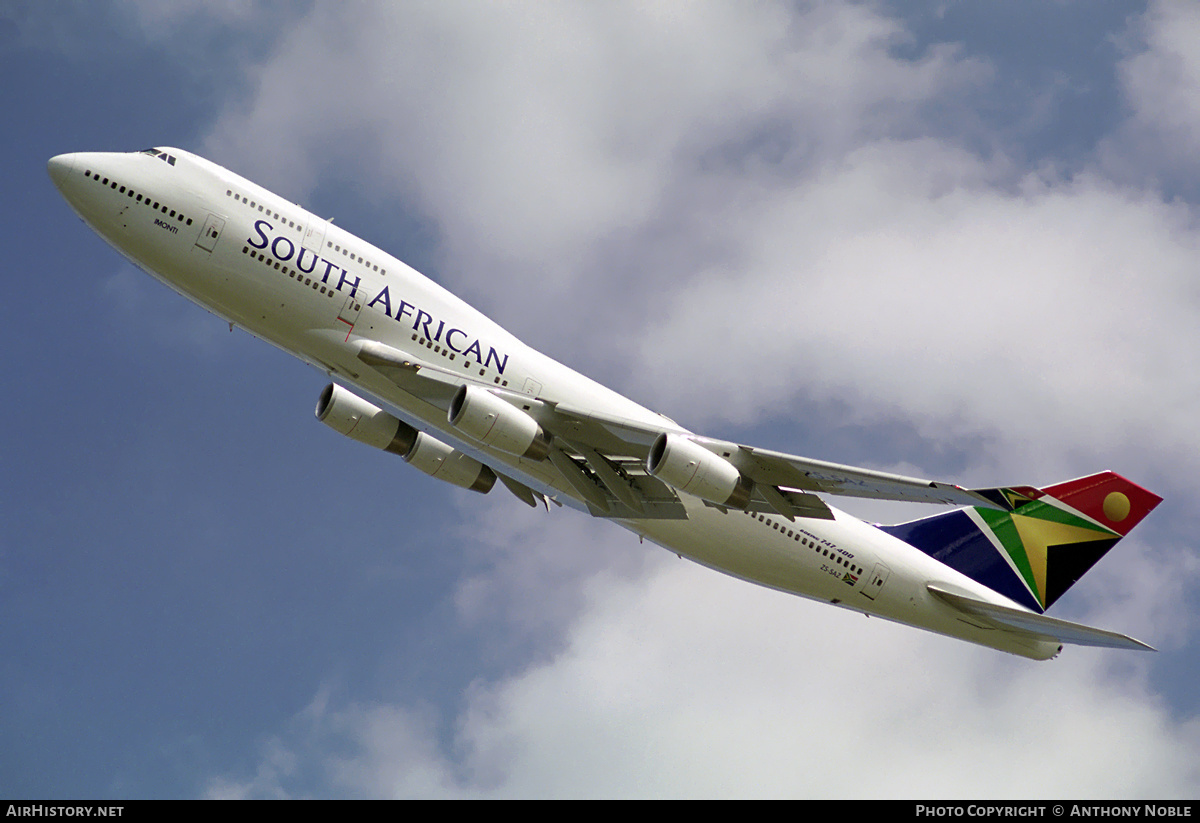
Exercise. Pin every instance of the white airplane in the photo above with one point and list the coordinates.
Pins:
(470, 404)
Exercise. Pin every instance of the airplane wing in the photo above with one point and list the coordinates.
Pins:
(1039, 625)
(604, 457)
(419, 378)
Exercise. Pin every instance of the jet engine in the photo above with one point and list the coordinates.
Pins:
(483, 416)
(436, 459)
(684, 464)
(348, 414)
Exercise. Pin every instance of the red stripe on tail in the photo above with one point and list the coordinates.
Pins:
(1108, 498)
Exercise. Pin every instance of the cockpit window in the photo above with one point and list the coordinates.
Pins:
(160, 154)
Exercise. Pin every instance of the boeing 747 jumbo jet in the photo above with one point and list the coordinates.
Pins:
(419, 373)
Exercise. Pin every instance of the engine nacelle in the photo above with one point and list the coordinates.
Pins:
(685, 465)
(436, 459)
(483, 416)
(347, 413)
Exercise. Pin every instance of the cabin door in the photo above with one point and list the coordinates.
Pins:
(314, 235)
(211, 233)
(879, 576)
(350, 310)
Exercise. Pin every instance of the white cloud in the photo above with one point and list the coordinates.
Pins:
(532, 135)
(740, 207)
(527, 568)
(580, 156)
(686, 683)
(1161, 82)
(909, 280)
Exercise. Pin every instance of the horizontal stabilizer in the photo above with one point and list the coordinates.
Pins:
(1049, 628)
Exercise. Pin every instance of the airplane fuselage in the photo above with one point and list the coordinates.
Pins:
(318, 292)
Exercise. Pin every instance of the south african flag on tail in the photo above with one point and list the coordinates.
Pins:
(1042, 540)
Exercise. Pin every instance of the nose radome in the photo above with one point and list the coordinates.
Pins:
(59, 167)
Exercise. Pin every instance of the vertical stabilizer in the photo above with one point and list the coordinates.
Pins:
(1050, 538)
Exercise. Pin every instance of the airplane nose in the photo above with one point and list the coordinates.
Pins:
(59, 167)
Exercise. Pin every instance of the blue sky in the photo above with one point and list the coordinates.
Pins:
(934, 239)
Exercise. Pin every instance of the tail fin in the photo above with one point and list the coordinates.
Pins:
(1043, 545)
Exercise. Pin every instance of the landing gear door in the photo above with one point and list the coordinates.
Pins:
(879, 576)
(211, 233)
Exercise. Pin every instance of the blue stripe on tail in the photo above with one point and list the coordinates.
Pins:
(956, 540)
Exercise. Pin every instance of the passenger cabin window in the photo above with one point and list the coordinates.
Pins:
(132, 194)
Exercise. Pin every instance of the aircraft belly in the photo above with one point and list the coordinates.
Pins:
(736, 544)
(742, 546)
